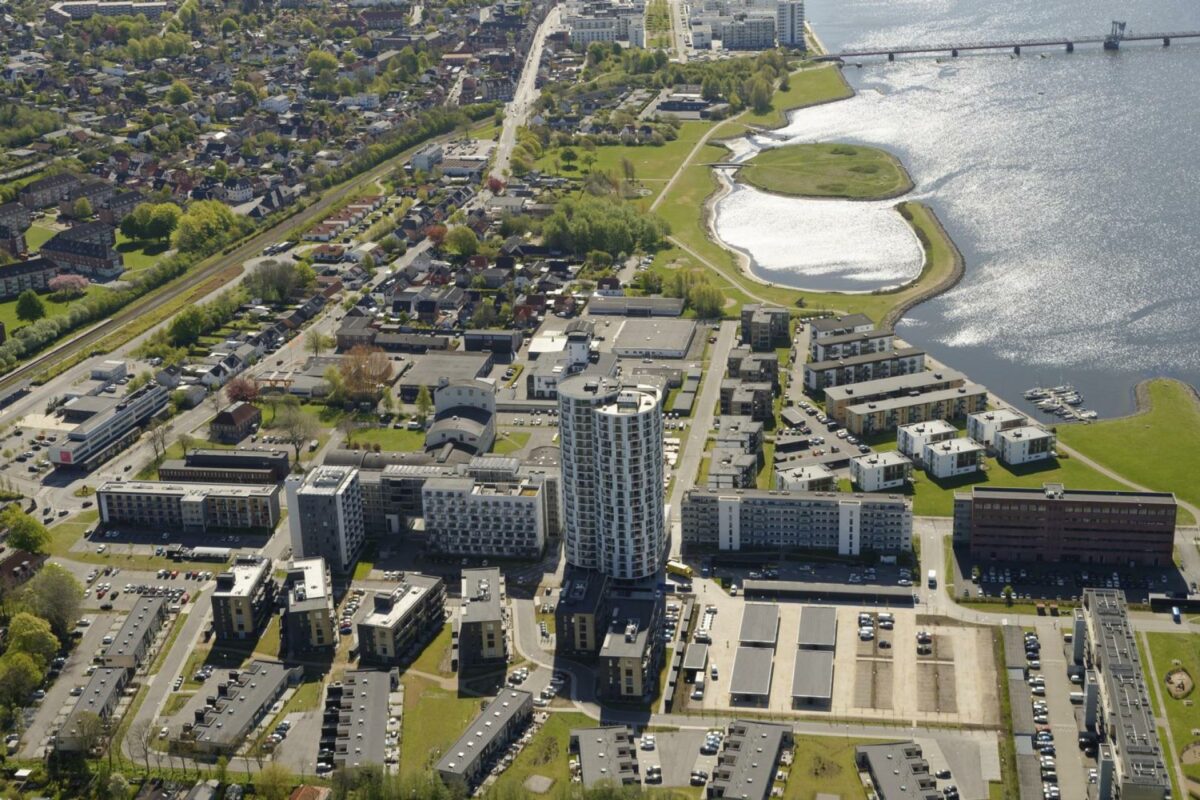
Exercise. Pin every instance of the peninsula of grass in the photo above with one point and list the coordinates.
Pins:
(1157, 447)
(852, 172)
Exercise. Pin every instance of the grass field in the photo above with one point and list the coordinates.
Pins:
(54, 308)
(1158, 449)
(37, 235)
(828, 170)
(139, 255)
(824, 764)
(397, 439)
(510, 442)
(431, 658)
(807, 87)
(936, 498)
(1183, 715)
(433, 719)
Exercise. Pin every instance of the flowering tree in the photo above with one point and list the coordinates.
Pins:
(69, 285)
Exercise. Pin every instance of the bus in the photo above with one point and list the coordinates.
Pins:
(679, 568)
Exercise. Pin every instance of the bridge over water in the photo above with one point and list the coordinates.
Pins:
(1110, 42)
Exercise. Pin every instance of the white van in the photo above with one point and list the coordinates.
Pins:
(698, 689)
(1077, 698)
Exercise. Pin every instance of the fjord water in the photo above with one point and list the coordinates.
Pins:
(1070, 182)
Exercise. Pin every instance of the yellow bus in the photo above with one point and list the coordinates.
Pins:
(679, 568)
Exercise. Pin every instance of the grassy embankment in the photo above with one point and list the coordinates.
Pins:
(1158, 447)
(1172, 651)
(828, 170)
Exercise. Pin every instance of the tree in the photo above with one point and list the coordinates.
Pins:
(316, 342)
(760, 95)
(159, 436)
(297, 427)
(229, 25)
(241, 390)
(320, 61)
(24, 532)
(706, 300)
(138, 739)
(178, 94)
(19, 676)
(187, 326)
(495, 185)
(89, 730)
(82, 209)
(164, 218)
(424, 403)
(436, 234)
(462, 240)
(118, 786)
(54, 595)
(222, 769)
(710, 89)
(69, 286)
(207, 226)
(30, 307)
(32, 635)
(365, 371)
(274, 782)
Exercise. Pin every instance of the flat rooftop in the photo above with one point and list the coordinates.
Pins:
(752, 669)
(490, 725)
(812, 677)
(604, 753)
(831, 592)
(196, 491)
(930, 427)
(888, 458)
(899, 770)
(912, 382)
(818, 628)
(749, 757)
(1027, 432)
(430, 369)
(760, 624)
(140, 625)
(959, 445)
(241, 579)
(865, 358)
(654, 333)
(255, 688)
(481, 595)
(307, 584)
(364, 718)
(895, 403)
(846, 322)
(326, 480)
(97, 695)
(696, 656)
(1058, 493)
(390, 608)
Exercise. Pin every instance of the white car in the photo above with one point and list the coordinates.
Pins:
(648, 742)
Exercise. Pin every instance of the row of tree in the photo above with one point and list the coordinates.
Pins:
(582, 224)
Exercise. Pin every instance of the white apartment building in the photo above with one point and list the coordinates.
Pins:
(104, 425)
(953, 457)
(789, 23)
(188, 507)
(753, 519)
(1024, 445)
(880, 472)
(325, 516)
(912, 439)
(612, 464)
(982, 426)
(748, 32)
(849, 345)
(466, 517)
(807, 478)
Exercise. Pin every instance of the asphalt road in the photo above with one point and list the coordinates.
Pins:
(524, 95)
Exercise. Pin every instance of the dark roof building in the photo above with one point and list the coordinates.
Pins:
(749, 756)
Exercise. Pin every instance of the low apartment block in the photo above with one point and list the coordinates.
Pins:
(308, 607)
(607, 754)
(747, 365)
(750, 755)
(765, 327)
(88, 249)
(486, 739)
(243, 697)
(34, 274)
(132, 643)
(839, 398)
(984, 426)
(820, 375)
(752, 519)
(401, 622)
(804, 478)
(754, 400)
(188, 507)
(824, 328)
(357, 712)
(880, 472)
(953, 458)
(1025, 445)
(912, 439)
(244, 599)
(1055, 524)
(848, 345)
(468, 517)
(101, 696)
(868, 419)
(480, 632)
(631, 651)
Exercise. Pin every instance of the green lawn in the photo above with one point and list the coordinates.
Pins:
(139, 255)
(828, 170)
(510, 442)
(54, 308)
(1183, 715)
(37, 235)
(431, 658)
(397, 439)
(936, 498)
(808, 87)
(1158, 449)
(268, 643)
(824, 764)
(433, 719)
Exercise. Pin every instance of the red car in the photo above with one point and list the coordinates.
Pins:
(185, 597)
(100, 594)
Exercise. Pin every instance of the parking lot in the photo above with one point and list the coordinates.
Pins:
(677, 754)
(1063, 582)
(954, 676)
